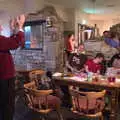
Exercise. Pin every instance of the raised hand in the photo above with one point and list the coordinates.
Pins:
(12, 24)
(20, 20)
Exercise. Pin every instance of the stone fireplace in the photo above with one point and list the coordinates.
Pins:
(51, 56)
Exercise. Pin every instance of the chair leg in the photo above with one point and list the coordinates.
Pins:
(16, 99)
(42, 117)
(101, 118)
(60, 117)
(25, 100)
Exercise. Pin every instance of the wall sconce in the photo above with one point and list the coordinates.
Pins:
(48, 22)
(84, 22)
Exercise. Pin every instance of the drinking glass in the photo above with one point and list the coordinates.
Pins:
(113, 79)
(109, 79)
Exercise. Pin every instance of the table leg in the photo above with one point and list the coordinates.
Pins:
(114, 105)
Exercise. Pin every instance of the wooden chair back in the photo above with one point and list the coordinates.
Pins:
(37, 99)
(90, 104)
(36, 75)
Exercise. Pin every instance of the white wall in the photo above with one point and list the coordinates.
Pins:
(79, 17)
(70, 24)
(69, 15)
(100, 25)
(104, 22)
(33, 5)
(11, 9)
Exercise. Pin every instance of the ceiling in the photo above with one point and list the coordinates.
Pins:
(101, 7)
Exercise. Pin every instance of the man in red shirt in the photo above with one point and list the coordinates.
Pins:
(7, 71)
(93, 65)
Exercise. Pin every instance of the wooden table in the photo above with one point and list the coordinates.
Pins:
(114, 89)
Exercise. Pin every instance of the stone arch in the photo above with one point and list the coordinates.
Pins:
(44, 13)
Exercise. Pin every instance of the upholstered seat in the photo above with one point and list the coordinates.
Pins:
(88, 104)
(41, 100)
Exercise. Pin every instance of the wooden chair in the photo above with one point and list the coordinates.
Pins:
(36, 75)
(40, 76)
(38, 100)
(88, 104)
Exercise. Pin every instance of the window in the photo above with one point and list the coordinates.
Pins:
(34, 34)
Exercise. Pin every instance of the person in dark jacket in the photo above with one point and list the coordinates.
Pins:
(115, 61)
(76, 62)
(7, 70)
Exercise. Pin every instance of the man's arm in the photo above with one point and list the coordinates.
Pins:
(98, 72)
(18, 39)
(69, 66)
(86, 68)
(13, 42)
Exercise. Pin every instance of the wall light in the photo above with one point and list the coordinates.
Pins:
(84, 22)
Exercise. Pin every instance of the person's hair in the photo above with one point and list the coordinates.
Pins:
(113, 34)
(49, 74)
(99, 55)
(70, 34)
(106, 32)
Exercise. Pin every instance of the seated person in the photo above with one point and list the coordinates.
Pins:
(76, 62)
(113, 41)
(115, 61)
(81, 49)
(106, 34)
(94, 65)
(110, 44)
(46, 83)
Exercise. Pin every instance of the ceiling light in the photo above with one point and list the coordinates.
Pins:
(84, 22)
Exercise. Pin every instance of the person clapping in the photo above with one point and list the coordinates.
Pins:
(7, 70)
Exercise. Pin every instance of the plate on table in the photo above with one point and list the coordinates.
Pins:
(57, 74)
(77, 78)
(117, 80)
